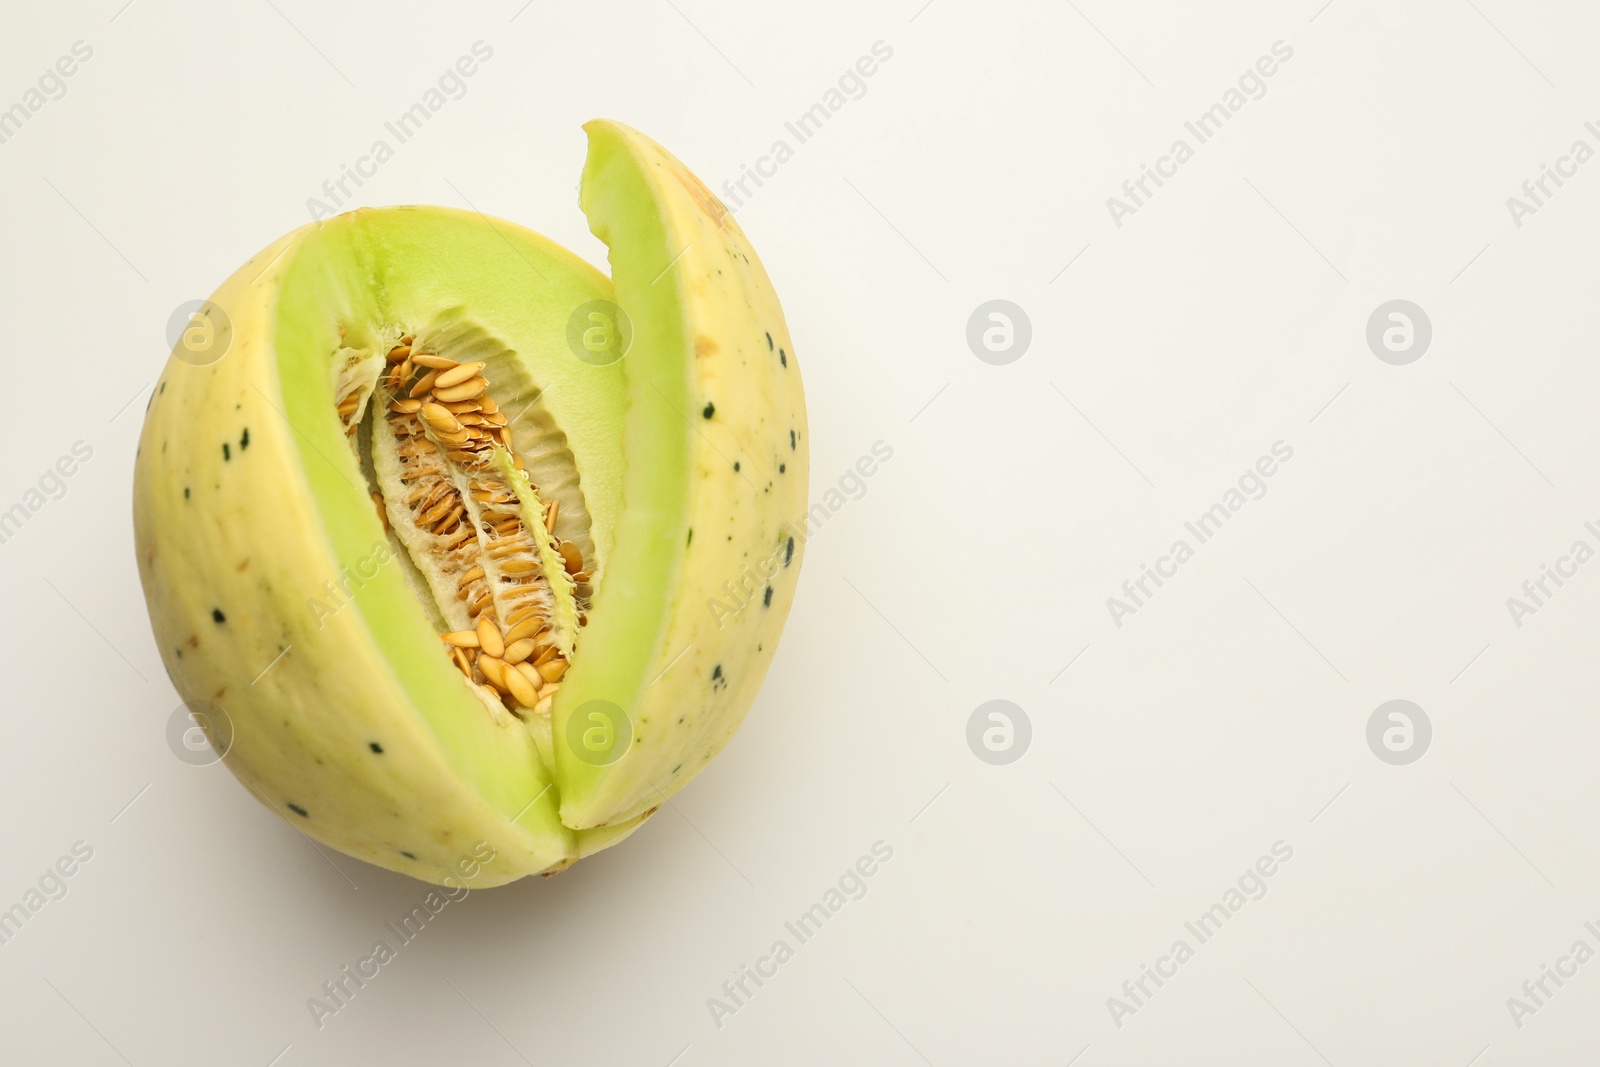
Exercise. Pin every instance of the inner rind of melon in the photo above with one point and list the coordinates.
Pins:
(626, 629)
(374, 275)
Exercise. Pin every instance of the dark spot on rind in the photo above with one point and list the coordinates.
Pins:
(716, 672)
(735, 464)
(690, 539)
(788, 552)
(218, 616)
(186, 492)
(782, 467)
(163, 388)
(791, 440)
(244, 439)
(226, 453)
(710, 409)
(769, 342)
(766, 601)
(298, 810)
(407, 855)
(783, 358)
(375, 747)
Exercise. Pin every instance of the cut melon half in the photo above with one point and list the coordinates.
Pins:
(478, 555)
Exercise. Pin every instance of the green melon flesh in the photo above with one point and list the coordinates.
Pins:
(398, 269)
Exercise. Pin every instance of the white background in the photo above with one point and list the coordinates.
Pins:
(1229, 713)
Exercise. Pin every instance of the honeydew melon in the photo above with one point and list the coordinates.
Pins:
(431, 424)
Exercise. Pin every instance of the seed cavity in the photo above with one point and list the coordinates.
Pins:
(505, 568)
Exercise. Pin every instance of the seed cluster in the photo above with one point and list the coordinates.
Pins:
(515, 663)
(347, 411)
(445, 422)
